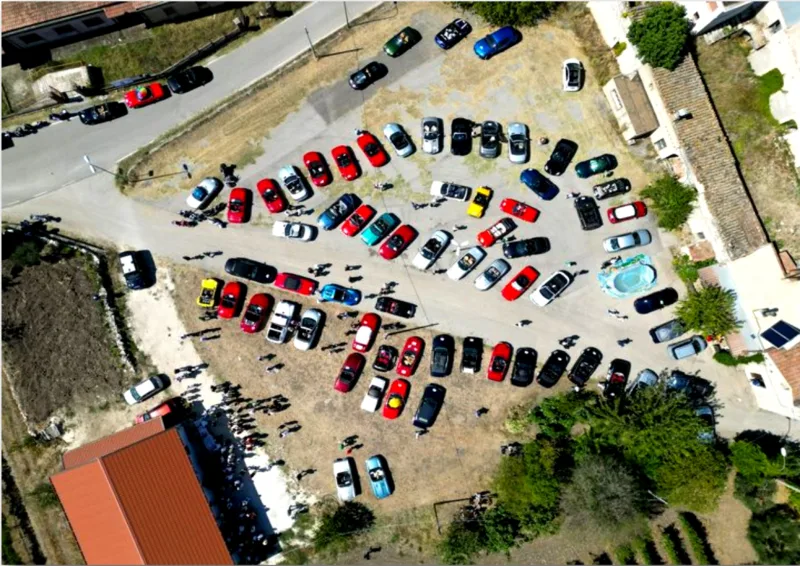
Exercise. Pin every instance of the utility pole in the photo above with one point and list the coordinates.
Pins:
(314, 53)
(346, 19)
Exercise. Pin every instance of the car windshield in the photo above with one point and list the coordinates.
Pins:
(374, 391)
(356, 220)
(572, 73)
(466, 262)
(395, 242)
(409, 358)
(337, 294)
(371, 149)
(270, 195)
(490, 41)
(398, 140)
(344, 479)
(546, 292)
(440, 357)
(519, 210)
(316, 168)
(481, 199)
(236, 206)
(499, 364)
(253, 313)
(347, 376)
(596, 164)
(379, 226)
(431, 247)
(360, 77)
(460, 136)
(518, 142)
(492, 273)
(343, 160)
(522, 281)
(291, 283)
(308, 324)
(229, 301)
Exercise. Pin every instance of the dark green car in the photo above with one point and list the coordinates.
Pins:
(402, 42)
(596, 165)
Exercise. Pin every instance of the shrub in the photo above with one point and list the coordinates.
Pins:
(710, 311)
(727, 359)
(661, 35)
(623, 554)
(685, 268)
(671, 200)
(555, 416)
(44, 495)
(461, 542)
(26, 255)
(756, 494)
(749, 460)
(339, 525)
(619, 47)
(510, 13)
(775, 535)
(698, 538)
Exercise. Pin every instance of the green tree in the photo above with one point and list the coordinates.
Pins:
(775, 535)
(461, 542)
(694, 480)
(510, 13)
(340, 524)
(749, 460)
(26, 255)
(44, 495)
(661, 35)
(501, 529)
(671, 200)
(710, 311)
(556, 415)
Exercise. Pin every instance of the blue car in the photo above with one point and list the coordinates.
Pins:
(333, 293)
(539, 184)
(377, 477)
(497, 42)
(335, 214)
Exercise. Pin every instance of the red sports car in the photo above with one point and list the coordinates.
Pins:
(397, 242)
(232, 299)
(396, 398)
(170, 406)
(345, 161)
(409, 356)
(351, 370)
(296, 283)
(499, 362)
(627, 212)
(372, 148)
(273, 196)
(318, 170)
(521, 283)
(256, 313)
(239, 203)
(519, 210)
(358, 220)
(144, 95)
(366, 332)
(499, 229)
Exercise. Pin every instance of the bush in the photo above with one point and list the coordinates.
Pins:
(671, 200)
(698, 538)
(340, 524)
(44, 495)
(749, 460)
(624, 555)
(26, 255)
(727, 359)
(510, 13)
(518, 420)
(555, 416)
(756, 494)
(710, 311)
(775, 535)
(685, 269)
(461, 542)
(661, 35)
(619, 47)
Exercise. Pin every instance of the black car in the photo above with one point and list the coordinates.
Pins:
(588, 213)
(429, 406)
(522, 248)
(695, 388)
(562, 154)
(490, 139)
(249, 269)
(656, 301)
(461, 136)
(667, 331)
(524, 367)
(452, 33)
(586, 364)
(442, 355)
(396, 307)
(386, 358)
(617, 378)
(132, 270)
(553, 368)
(471, 355)
(102, 113)
(189, 79)
(362, 78)
(612, 188)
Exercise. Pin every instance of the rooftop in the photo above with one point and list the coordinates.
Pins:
(637, 105)
(20, 15)
(112, 443)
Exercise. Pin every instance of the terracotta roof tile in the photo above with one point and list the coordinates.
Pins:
(19, 15)
(125, 7)
(112, 443)
(787, 262)
(788, 362)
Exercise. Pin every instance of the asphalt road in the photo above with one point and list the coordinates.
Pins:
(53, 158)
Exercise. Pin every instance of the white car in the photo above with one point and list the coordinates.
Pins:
(572, 75)
(294, 182)
(450, 191)
(343, 474)
(204, 193)
(399, 139)
(518, 142)
(308, 330)
(280, 323)
(626, 241)
(432, 135)
(293, 230)
(494, 273)
(144, 390)
(431, 250)
(551, 288)
(466, 263)
(372, 400)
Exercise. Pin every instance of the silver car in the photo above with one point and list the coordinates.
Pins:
(204, 193)
(494, 273)
(645, 378)
(687, 348)
(308, 329)
(627, 241)
(399, 139)
(293, 230)
(294, 182)
(432, 135)
(431, 250)
(518, 139)
(466, 263)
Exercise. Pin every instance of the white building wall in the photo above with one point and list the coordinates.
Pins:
(613, 27)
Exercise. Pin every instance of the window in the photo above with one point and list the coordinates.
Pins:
(660, 144)
(782, 335)
(616, 99)
(775, 26)
(66, 29)
(29, 38)
(169, 12)
(757, 381)
(92, 22)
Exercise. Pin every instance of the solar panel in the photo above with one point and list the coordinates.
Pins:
(781, 333)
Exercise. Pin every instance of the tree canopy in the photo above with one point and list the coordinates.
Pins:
(661, 35)
(671, 200)
(775, 535)
(710, 311)
(339, 524)
(510, 13)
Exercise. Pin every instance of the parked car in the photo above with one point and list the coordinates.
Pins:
(431, 250)
(232, 299)
(318, 169)
(172, 409)
(612, 188)
(442, 353)
(145, 95)
(466, 263)
(403, 309)
(378, 477)
(308, 330)
(143, 390)
(397, 242)
(494, 273)
(695, 388)
(345, 162)
(335, 293)
(189, 79)
(644, 379)
(496, 231)
(102, 113)
(522, 248)
(588, 213)
(452, 33)
(626, 212)
(410, 356)
(667, 331)
(280, 322)
(350, 372)
(553, 368)
(132, 271)
(343, 474)
(396, 398)
(208, 293)
(372, 149)
(524, 367)
(358, 220)
(626, 241)
(294, 182)
(461, 136)
(572, 71)
(450, 191)
(239, 202)
(248, 269)
(385, 223)
(518, 142)
(519, 210)
(399, 139)
(202, 195)
(687, 348)
(471, 354)
(541, 186)
(497, 42)
(656, 301)
(561, 156)
(477, 208)
(491, 132)
(520, 283)
(616, 378)
(295, 283)
(367, 75)
(292, 230)
(551, 288)
(255, 315)
(706, 414)
(432, 135)
(374, 395)
(429, 406)
(586, 364)
(499, 361)
(272, 195)
(366, 332)
(402, 42)
(385, 359)
(595, 165)
(336, 213)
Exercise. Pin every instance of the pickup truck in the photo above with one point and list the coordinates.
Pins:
(280, 322)
(132, 270)
(588, 213)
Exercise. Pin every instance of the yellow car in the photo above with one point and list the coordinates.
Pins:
(208, 293)
(477, 208)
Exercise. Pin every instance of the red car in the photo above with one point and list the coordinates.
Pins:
(396, 398)
(521, 283)
(272, 195)
(318, 170)
(256, 313)
(499, 362)
(358, 220)
(296, 283)
(409, 356)
(351, 370)
(397, 242)
(372, 148)
(170, 406)
(232, 299)
(519, 210)
(239, 203)
(367, 330)
(499, 229)
(627, 212)
(144, 95)
(345, 161)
